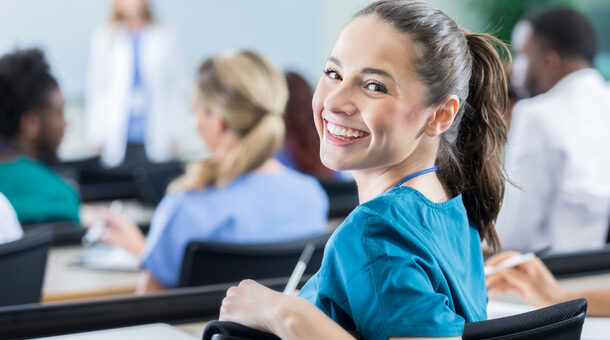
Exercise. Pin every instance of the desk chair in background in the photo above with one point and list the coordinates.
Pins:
(342, 197)
(563, 321)
(207, 263)
(62, 232)
(145, 181)
(578, 263)
(22, 264)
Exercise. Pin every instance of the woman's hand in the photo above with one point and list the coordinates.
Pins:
(287, 316)
(532, 280)
(251, 304)
(122, 232)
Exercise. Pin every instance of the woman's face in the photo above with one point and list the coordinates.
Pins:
(131, 9)
(209, 126)
(368, 105)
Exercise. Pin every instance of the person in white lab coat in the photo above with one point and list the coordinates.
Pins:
(10, 229)
(558, 153)
(134, 98)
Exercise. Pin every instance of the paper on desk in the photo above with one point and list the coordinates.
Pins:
(106, 257)
(149, 332)
(593, 329)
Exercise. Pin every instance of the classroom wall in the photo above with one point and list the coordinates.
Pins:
(298, 35)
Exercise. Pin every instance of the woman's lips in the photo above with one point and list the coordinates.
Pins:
(342, 135)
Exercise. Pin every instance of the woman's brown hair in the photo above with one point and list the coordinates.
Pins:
(452, 61)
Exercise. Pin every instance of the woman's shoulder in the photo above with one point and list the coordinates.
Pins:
(398, 214)
(185, 199)
(284, 179)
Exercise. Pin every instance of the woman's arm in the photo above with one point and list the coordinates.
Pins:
(122, 232)
(288, 317)
(537, 285)
(148, 284)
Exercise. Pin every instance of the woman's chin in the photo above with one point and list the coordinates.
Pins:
(334, 163)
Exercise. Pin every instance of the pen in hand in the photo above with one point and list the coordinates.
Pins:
(509, 262)
(299, 269)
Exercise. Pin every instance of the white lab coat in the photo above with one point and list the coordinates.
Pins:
(10, 229)
(109, 84)
(559, 155)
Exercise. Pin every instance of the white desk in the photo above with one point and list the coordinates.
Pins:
(63, 282)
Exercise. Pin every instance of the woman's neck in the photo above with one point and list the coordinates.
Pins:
(373, 182)
(270, 165)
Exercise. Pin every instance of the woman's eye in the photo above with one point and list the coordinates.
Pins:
(376, 87)
(332, 74)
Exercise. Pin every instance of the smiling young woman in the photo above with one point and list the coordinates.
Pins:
(413, 106)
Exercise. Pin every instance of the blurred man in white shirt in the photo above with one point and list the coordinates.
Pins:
(558, 154)
(10, 229)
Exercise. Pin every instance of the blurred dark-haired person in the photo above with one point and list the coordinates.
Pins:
(31, 127)
(558, 152)
(301, 150)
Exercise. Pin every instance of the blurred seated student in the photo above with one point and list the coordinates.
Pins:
(241, 194)
(301, 149)
(31, 128)
(10, 229)
(558, 154)
(537, 285)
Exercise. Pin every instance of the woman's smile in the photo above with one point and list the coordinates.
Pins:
(341, 135)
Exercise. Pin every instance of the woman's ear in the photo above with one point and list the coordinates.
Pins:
(443, 116)
(30, 125)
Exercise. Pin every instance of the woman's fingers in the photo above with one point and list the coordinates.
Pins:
(493, 280)
(496, 259)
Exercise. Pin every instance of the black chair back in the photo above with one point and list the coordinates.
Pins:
(63, 232)
(342, 197)
(22, 264)
(578, 263)
(152, 181)
(207, 263)
(563, 321)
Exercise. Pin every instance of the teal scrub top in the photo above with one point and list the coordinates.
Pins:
(401, 265)
(37, 194)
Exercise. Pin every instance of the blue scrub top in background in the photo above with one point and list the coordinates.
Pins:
(254, 208)
(402, 266)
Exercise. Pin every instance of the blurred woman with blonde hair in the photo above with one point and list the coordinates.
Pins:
(240, 194)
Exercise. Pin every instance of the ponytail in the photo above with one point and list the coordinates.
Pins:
(250, 94)
(250, 152)
(482, 136)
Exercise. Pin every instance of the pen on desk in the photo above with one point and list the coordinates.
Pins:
(299, 269)
(509, 262)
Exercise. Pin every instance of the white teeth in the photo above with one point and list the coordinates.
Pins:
(341, 131)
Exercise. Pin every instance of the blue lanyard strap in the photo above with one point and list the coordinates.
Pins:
(419, 173)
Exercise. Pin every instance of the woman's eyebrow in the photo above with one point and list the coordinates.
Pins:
(370, 70)
(335, 61)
